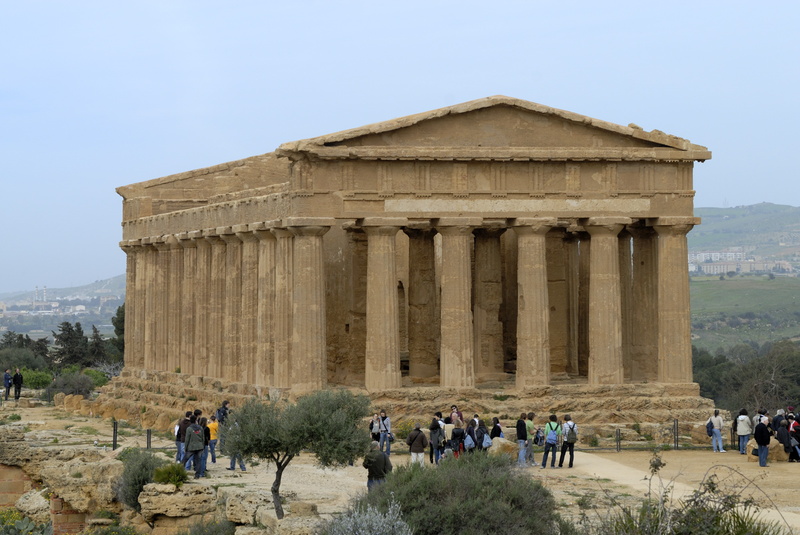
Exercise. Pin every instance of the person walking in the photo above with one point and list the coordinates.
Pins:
(570, 438)
(762, 437)
(377, 464)
(375, 427)
(203, 423)
(17, 381)
(497, 429)
(481, 434)
(530, 428)
(193, 445)
(743, 430)
(417, 442)
(552, 430)
(716, 432)
(7, 382)
(213, 437)
(522, 441)
(437, 439)
(386, 433)
(180, 435)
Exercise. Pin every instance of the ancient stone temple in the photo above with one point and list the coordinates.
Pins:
(492, 240)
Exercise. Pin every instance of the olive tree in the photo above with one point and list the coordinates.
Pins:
(326, 423)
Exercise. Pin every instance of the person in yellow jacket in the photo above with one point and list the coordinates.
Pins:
(213, 428)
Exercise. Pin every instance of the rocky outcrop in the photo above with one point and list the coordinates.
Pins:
(168, 500)
(35, 506)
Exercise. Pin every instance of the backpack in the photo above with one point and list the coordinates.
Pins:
(552, 434)
(487, 441)
(572, 435)
(710, 427)
(538, 438)
(469, 443)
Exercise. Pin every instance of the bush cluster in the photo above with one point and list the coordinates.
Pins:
(71, 383)
(138, 470)
(98, 378)
(173, 473)
(471, 494)
(369, 521)
(36, 379)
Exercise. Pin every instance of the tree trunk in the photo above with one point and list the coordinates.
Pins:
(276, 487)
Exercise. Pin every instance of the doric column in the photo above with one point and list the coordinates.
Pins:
(605, 307)
(457, 352)
(216, 303)
(265, 308)
(571, 243)
(382, 349)
(148, 311)
(584, 282)
(356, 330)
(558, 301)
(674, 321)
(232, 309)
(131, 352)
(161, 317)
(533, 316)
(423, 316)
(202, 298)
(626, 300)
(188, 288)
(283, 307)
(309, 337)
(488, 290)
(644, 319)
(174, 309)
(248, 336)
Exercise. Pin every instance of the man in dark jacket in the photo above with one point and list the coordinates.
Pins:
(417, 442)
(193, 445)
(180, 435)
(762, 436)
(7, 382)
(377, 464)
(17, 380)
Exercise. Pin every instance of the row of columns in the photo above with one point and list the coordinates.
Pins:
(247, 303)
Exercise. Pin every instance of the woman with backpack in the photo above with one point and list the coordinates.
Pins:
(552, 430)
(457, 440)
(570, 438)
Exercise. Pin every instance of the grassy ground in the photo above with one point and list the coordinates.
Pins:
(740, 309)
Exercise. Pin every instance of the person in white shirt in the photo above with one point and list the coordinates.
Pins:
(743, 429)
(716, 433)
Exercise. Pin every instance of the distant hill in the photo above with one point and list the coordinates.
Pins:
(772, 229)
(114, 286)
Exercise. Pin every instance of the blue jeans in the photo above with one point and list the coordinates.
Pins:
(548, 448)
(523, 450)
(179, 455)
(192, 459)
(241, 461)
(385, 440)
(743, 440)
(763, 451)
(372, 483)
(212, 445)
(716, 440)
(203, 460)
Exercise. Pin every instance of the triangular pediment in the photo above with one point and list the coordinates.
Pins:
(498, 121)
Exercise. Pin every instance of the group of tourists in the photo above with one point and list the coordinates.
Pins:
(13, 380)
(553, 433)
(196, 437)
(453, 436)
(784, 426)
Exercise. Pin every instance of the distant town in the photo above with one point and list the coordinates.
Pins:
(737, 260)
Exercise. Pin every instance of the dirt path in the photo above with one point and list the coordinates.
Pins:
(584, 493)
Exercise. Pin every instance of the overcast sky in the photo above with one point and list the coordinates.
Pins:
(96, 95)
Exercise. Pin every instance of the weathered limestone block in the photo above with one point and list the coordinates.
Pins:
(255, 530)
(241, 505)
(303, 509)
(167, 525)
(86, 483)
(502, 446)
(33, 505)
(58, 399)
(776, 453)
(167, 500)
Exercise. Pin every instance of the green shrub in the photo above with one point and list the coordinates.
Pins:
(173, 473)
(401, 429)
(471, 493)
(72, 383)
(114, 529)
(368, 519)
(14, 417)
(36, 379)
(98, 378)
(138, 472)
(9, 516)
(223, 527)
